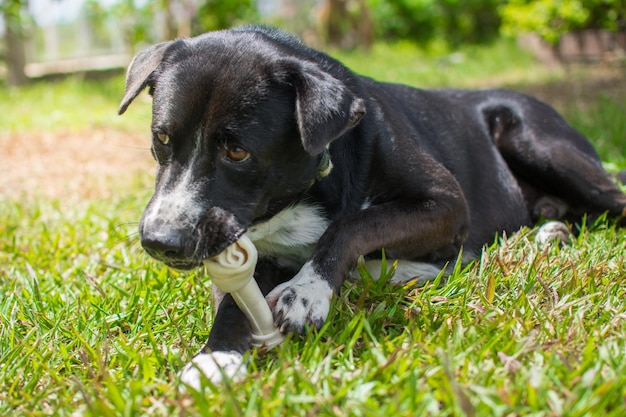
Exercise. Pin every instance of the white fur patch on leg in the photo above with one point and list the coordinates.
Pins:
(405, 271)
(303, 300)
(551, 232)
(215, 366)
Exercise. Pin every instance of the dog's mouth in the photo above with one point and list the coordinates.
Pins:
(183, 265)
(186, 248)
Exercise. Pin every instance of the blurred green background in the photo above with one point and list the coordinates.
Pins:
(62, 65)
(36, 31)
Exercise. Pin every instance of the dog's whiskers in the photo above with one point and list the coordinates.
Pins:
(131, 237)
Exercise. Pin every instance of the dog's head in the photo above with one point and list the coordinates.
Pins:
(239, 123)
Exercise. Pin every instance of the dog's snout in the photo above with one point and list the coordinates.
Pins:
(183, 244)
(161, 245)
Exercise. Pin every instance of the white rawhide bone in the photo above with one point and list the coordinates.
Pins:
(232, 271)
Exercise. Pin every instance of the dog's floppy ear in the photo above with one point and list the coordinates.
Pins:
(139, 71)
(325, 106)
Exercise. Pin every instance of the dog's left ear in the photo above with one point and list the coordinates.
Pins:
(325, 106)
(139, 71)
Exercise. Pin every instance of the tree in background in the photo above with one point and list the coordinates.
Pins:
(16, 23)
(346, 23)
(149, 22)
(138, 22)
(551, 19)
(221, 14)
(451, 21)
(342, 23)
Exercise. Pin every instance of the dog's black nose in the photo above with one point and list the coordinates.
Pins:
(181, 246)
(163, 246)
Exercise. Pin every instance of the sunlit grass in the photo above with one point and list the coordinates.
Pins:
(603, 122)
(407, 63)
(70, 104)
(90, 325)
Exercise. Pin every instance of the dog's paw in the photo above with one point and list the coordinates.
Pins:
(215, 366)
(300, 302)
(554, 231)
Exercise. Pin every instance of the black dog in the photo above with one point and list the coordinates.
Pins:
(248, 123)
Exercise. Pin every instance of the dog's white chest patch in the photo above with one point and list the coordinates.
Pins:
(291, 234)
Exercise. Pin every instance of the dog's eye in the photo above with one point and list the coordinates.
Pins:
(163, 138)
(237, 154)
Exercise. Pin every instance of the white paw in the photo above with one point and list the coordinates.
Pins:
(551, 232)
(215, 366)
(303, 300)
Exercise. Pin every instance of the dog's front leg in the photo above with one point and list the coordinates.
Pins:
(230, 336)
(405, 229)
(222, 356)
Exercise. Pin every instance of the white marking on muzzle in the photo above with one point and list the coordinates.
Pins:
(178, 207)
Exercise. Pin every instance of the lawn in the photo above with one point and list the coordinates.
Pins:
(89, 325)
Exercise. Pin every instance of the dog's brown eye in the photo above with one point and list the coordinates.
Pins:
(237, 154)
(163, 138)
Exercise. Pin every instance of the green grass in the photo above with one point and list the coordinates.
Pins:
(72, 104)
(405, 63)
(604, 123)
(89, 325)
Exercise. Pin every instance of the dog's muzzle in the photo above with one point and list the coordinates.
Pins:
(186, 246)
